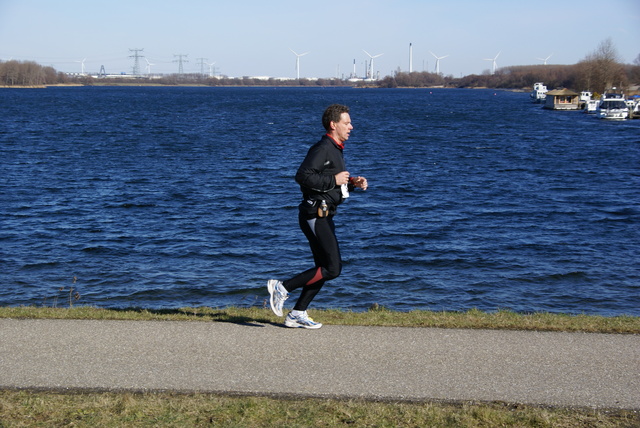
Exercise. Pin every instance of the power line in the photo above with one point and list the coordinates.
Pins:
(136, 60)
(180, 61)
(202, 62)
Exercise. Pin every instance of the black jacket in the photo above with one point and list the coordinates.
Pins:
(316, 176)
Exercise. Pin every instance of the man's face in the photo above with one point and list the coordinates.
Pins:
(343, 128)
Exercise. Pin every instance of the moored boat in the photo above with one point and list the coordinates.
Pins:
(613, 106)
(592, 106)
(585, 98)
(562, 99)
(634, 110)
(539, 93)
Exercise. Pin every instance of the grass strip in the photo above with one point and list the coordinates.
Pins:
(47, 409)
(471, 319)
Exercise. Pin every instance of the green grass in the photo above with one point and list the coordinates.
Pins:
(474, 318)
(47, 409)
(28, 408)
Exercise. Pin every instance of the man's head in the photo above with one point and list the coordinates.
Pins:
(337, 122)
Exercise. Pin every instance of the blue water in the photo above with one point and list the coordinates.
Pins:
(172, 197)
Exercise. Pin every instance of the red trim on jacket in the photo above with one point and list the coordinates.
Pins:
(340, 145)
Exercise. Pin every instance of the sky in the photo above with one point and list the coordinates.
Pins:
(255, 37)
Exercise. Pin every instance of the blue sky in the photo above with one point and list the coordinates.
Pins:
(254, 38)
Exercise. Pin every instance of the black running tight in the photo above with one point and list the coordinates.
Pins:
(321, 234)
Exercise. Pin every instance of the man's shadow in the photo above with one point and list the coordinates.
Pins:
(216, 315)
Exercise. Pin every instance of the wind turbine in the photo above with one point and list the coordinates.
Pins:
(211, 68)
(544, 60)
(410, 57)
(82, 66)
(495, 64)
(438, 58)
(148, 66)
(371, 62)
(298, 62)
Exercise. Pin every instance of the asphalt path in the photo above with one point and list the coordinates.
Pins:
(381, 363)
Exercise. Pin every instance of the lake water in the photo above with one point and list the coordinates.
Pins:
(169, 197)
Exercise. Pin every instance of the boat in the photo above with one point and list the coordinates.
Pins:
(591, 106)
(613, 106)
(562, 99)
(539, 93)
(634, 110)
(585, 97)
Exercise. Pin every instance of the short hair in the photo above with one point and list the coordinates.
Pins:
(333, 113)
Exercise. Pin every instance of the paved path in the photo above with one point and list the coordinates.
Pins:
(560, 369)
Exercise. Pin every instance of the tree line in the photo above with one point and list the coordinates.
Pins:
(29, 73)
(599, 71)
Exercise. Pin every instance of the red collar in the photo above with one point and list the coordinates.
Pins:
(340, 145)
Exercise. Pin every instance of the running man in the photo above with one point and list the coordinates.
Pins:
(325, 183)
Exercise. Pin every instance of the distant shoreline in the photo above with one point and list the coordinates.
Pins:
(39, 86)
(196, 85)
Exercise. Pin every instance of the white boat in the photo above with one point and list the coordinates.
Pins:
(634, 110)
(539, 93)
(592, 106)
(585, 98)
(613, 106)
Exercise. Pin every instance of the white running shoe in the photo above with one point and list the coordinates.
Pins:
(301, 321)
(278, 296)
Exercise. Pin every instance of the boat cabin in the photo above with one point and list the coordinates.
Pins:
(562, 99)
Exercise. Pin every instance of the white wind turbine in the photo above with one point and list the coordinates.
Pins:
(210, 68)
(298, 61)
(148, 66)
(371, 63)
(544, 60)
(82, 66)
(438, 58)
(410, 57)
(495, 64)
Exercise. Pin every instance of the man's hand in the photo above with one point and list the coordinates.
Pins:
(342, 178)
(360, 182)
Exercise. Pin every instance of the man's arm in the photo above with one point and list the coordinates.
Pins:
(310, 173)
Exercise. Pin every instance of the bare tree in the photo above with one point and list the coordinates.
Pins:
(601, 70)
